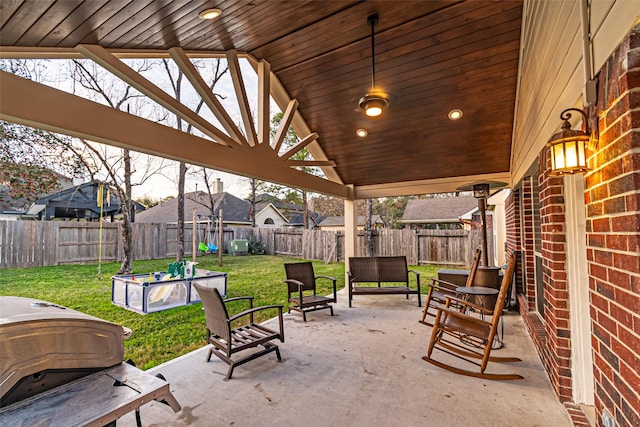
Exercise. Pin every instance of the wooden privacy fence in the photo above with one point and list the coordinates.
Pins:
(444, 247)
(44, 243)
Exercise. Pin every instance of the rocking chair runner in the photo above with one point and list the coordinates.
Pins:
(441, 289)
(301, 289)
(457, 333)
(227, 340)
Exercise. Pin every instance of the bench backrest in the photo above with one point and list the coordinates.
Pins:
(393, 269)
(378, 269)
(363, 269)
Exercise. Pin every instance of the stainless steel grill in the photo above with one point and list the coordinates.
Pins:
(48, 350)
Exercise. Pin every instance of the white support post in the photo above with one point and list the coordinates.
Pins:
(350, 230)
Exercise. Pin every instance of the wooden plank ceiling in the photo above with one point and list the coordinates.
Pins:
(431, 57)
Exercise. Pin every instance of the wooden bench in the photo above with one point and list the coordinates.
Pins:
(381, 271)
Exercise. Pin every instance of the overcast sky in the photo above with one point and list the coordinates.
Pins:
(167, 186)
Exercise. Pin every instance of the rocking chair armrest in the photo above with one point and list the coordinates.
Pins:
(254, 310)
(464, 303)
(460, 315)
(443, 285)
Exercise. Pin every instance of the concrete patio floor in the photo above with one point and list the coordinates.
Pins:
(362, 367)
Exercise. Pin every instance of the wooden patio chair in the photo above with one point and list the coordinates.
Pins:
(463, 335)
(227, 340)
(301, 289)
(439, 290)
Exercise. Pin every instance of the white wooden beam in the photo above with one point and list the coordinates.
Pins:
(191, 73)
(127, 74)
(350, 232)
(281, 97)
(241, 96)
(300, 145)
(264, 102)
(287, 117)
(428, 186)
(43, 107)
(30, 52)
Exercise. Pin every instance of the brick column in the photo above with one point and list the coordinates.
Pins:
(557, 346)
(613, 236)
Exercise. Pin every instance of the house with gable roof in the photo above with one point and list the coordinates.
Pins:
(440, 213)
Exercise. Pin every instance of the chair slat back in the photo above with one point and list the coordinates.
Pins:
(474, 268)
(215, 312)
(303, 272)
(504, 288)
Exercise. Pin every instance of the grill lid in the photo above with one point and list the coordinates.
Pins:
(39, 337)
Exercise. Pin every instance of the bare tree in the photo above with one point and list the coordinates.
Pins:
(176, 79)
(118, 167)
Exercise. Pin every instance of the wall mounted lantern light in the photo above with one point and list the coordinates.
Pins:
(568, 148)
(375, 101)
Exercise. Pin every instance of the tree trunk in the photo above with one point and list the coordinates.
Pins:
(181, 180)
(368, 232)
(127, 215)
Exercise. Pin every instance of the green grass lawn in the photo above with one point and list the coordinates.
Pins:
(161, 336)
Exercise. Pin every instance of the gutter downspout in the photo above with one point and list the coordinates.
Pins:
(589, 94)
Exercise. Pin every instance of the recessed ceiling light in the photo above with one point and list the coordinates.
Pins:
(455, 114)
(362, 133)
(210, 13)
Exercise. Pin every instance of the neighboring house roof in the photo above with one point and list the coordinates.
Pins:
(79, 201)
(291, 211)
(438, 209)
(298, 220)
(234, 210)
(268, 206)
(338, 221)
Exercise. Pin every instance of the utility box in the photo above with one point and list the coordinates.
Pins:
(238, 247)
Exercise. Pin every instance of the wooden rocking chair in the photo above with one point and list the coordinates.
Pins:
(460, 334)
(227, 340)
(439, 290)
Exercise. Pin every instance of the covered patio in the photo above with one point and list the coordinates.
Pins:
(473, 91)
(362, 367)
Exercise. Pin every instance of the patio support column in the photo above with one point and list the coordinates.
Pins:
(350, 230)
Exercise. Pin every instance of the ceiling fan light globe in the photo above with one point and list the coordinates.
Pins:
(373, 104)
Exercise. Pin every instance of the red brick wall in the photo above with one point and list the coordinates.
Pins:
(527, 236)
(512, 233)
(612, 194)
(557, 346)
